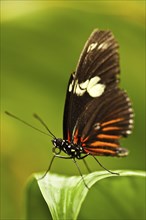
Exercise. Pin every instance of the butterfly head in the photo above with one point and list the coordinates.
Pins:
(57, 145)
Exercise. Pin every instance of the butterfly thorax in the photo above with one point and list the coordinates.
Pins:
(73, 150)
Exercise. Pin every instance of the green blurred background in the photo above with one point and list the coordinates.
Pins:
(40, 45)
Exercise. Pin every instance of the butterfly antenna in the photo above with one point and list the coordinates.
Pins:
(26, 123)
(43, 123)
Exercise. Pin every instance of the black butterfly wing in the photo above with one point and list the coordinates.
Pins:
(107, 120)
(94, 82)
(93, 62)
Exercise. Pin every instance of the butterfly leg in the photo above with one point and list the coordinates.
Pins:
(80, 173)
(48, 168)
(64, 157)
(51, 164)
(103, 166)
(86, 165)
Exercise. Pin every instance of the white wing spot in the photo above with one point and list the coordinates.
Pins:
(96, 90)
(93, 81)
(127, 99)
(84, 84)
(91, 86)
(130, 126)
(103, 46)
(130, 121)
(128, 132)
(91, 47)
(79, 91)
(71, 86)
(130, 110)
(131, 115)
(97, 126)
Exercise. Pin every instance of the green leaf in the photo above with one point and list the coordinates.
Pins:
(116, 197)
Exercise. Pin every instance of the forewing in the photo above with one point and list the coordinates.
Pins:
(96, 73)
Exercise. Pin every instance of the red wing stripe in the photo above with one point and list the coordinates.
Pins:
(112, 122)
(76, 137)
(84, 140)
(103, 144)
(105, 136)
(68, 136)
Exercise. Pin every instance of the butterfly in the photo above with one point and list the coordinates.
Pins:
(97, 113)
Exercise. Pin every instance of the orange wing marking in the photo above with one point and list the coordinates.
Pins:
(96, 151)
(105, 136)
(105, 144)
(111, 128)
(112, 121)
